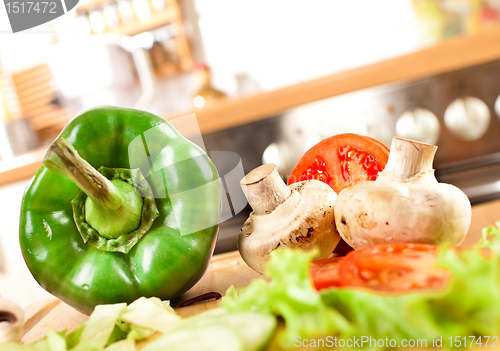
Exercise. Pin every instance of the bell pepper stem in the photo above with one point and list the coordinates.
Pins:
(65, 160)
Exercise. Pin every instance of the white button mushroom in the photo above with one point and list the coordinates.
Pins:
(298, 216)
(406, 204)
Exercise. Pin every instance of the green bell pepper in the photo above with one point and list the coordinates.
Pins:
(145, 224)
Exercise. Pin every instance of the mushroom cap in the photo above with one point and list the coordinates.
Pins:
(305, 220)
(384, 212)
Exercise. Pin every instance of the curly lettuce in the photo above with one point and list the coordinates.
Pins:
(468, 306)
(290, 295)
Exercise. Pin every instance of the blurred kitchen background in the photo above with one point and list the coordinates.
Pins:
(266, 80)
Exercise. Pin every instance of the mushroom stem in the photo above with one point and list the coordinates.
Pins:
(408, 158)
(264, 189)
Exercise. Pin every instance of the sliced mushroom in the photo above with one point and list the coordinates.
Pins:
(11, 321)
(298, 216)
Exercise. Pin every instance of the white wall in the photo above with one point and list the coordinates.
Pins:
(283, 42)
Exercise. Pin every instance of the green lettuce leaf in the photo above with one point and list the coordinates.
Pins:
(288, 294)
(468, 306)
(152, 314)
(52, 342)
(110, 327)
(122, 345)
(102, 323)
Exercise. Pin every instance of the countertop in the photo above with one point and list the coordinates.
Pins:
(224, 270)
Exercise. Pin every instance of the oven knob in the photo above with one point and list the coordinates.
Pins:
(381, 131)
(467, 118)
(418, 124)
(280, 153)
(311, 141)
(497, 106)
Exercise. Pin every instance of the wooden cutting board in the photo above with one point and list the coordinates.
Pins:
(224, 270)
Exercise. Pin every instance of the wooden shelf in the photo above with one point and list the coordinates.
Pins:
(90, 4)
(451, 55)
(21, 167)
(171, 14)
(167, 70)
(156, 20)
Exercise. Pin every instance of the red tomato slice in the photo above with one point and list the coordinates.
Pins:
(342, 160)
(393, 268)
(325, 273)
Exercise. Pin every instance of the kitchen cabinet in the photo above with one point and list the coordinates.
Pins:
(144, 16)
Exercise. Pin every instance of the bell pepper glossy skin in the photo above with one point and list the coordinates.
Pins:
(166, 261)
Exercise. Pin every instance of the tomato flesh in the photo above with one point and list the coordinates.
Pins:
(358, 165)
(325, 273)
(342, 160)
(389, 268)
(393, 268)
(316, 171)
